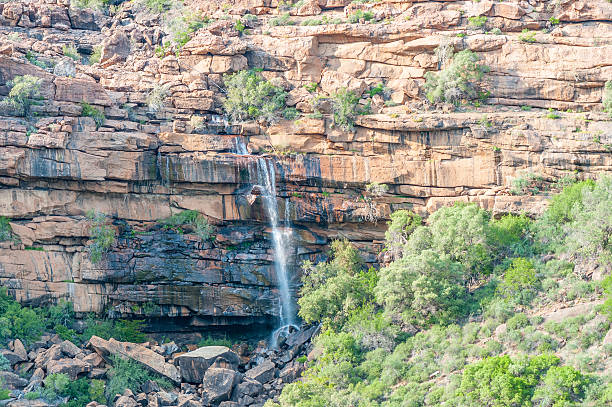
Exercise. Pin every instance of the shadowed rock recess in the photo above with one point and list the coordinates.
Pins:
(144, 163)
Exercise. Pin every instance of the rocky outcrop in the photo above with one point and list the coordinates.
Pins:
(141, 166)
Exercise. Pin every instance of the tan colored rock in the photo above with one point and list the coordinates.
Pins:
(193, 365)
(138, 353)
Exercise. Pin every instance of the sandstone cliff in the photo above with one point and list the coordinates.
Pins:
(142, 165)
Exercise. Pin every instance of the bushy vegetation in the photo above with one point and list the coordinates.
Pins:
(93, 4)
(453, 320)
(102, 236)
(24, 93)
(96, 55)
(359, 15)
(71, 52)
(6, 233)
(77, 393)
(192, 219)
(156, 99)
(88, 110)
(345, 105)
(128, 374)
(250, 97)
(607, 97)
(456, 82)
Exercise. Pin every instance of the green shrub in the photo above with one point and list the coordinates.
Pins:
(129, 331)
(6, 233)
(401, 225)
(520, 282)
(606, 100)
(71, 52)
(332, 290)
(103, 236)
(527, 36)
(553, 21)
(157, 6)
(95, 57)
(590, 233)
(94, 4)
(17, 321)
(561, 386)
(193, 219)
(511, 235)
(239, 26)
(88, 110)
(345, 105)
(358, 15)
(477, 21)
(128, 374)
(457, 81)
(24, 93)
(250, 97)
(526, 183)
(284, 19)
(501, 381)
(156, 99)
(311, 87)
(4, 363)
(94, 327)
(423, 289)
(211, 341)
(181, 26)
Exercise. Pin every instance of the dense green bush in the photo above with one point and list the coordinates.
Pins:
(102, 235)
(458, 81)
(192, 219)
(71, 52)
(345, 105)
(606, 100)
(423, 289)
(6, 233)
(332, 290)
(24, 93)
(17, 321)
(520, 282)
(399, 229)
(128, 374)
(77, 393)
(88, 110)
(251, 97)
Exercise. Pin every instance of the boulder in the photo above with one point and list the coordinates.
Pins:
(118, 45)
(71, 367)
(11, 381)
(263, 373)
(69, 349)
(218, 384)
(166, 398)
(19, 349)
(125, 401)
(144, 356)
(13, 357)
(193, 364)
(248, 387)
(299, 338)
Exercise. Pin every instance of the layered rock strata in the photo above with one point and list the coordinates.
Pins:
(141, 166)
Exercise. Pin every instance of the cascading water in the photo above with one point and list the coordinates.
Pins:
(282, 238)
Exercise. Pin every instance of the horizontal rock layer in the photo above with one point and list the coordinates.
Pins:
(140, 167)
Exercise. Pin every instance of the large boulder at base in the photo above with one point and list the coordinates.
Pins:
(248, 387)
(218, 384)
(193, 365)
(11, 381)
(263, 373)
(71, 367)
(144, 356)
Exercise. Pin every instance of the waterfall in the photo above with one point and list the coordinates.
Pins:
(282, 236)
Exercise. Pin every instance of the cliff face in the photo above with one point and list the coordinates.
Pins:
(141, 166)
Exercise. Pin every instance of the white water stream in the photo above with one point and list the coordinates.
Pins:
(282, 236)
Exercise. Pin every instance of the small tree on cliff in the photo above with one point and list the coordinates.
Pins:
(458, 81)
(102, 234)
(24, 93)
(251, 97)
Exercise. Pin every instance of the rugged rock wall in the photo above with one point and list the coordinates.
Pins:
(140, 167)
